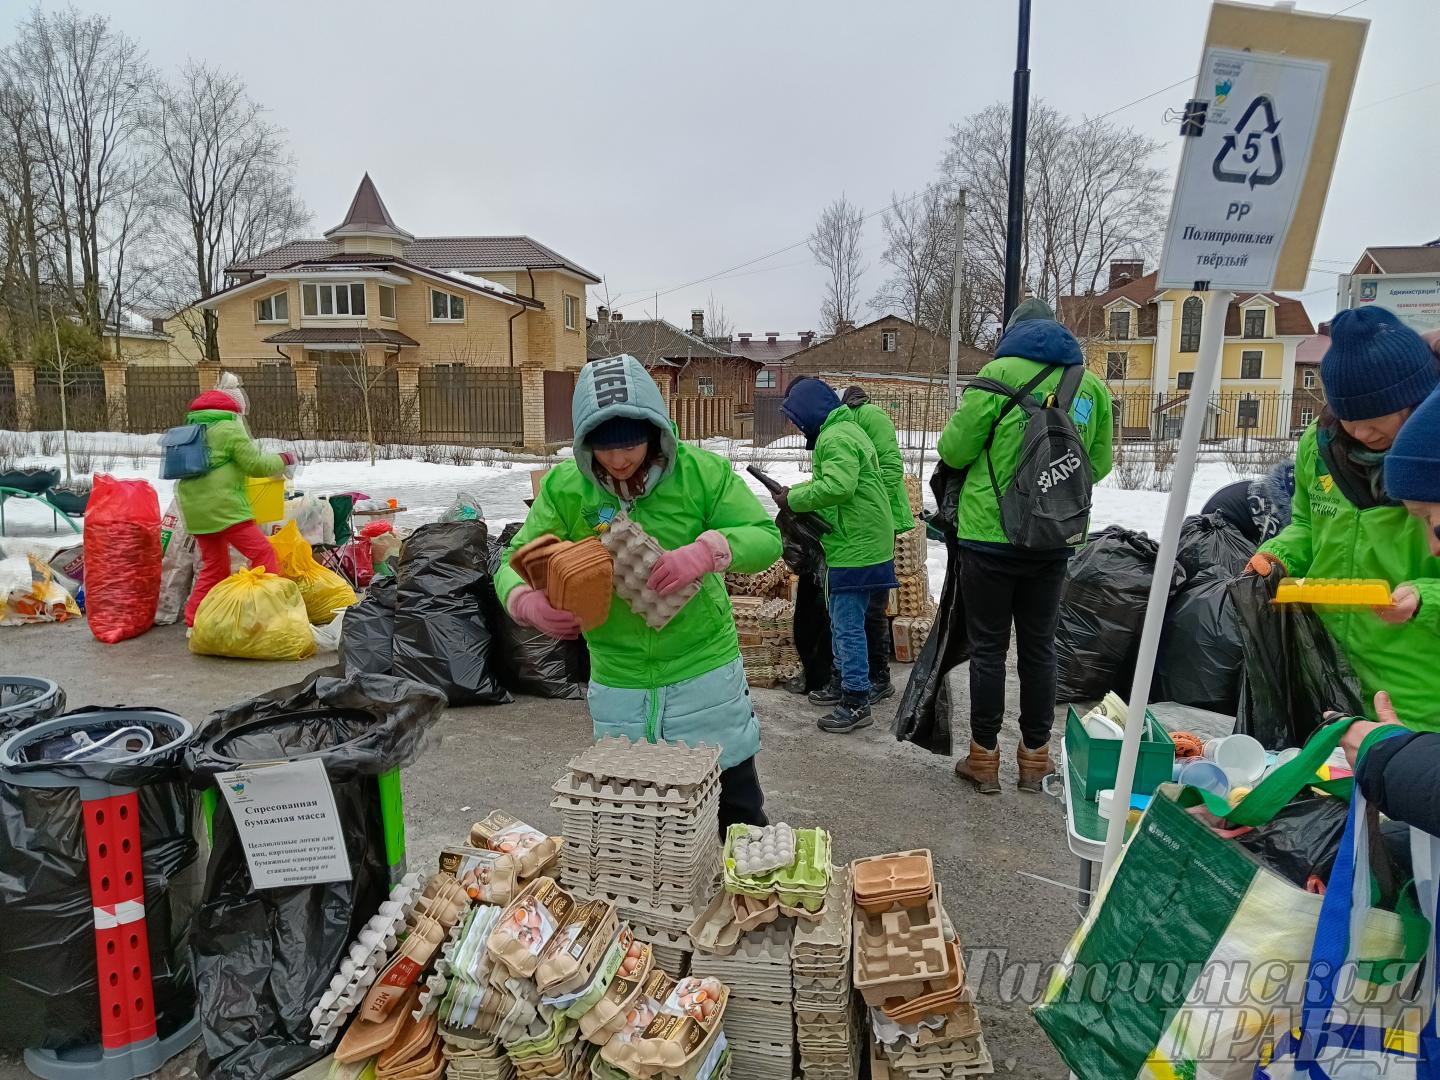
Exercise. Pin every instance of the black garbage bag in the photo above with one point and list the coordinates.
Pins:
(264, 957)
(923, 717)
(800, 532)
(1202, 651)
(946, 484)
(26, 700)
(532, 662)
(1208, 540)
(49, 982)
(368, 630)
(1294, 671)
(442, 634)
(1102, 611)
(812, 630)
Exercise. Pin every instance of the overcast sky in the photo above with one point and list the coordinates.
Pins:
(659, 142)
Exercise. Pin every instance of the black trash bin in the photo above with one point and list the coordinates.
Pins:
(264, 957)
(102, 876)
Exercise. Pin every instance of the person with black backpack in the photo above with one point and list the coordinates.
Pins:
(1034, 433)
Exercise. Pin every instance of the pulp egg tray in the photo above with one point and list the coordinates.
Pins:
(802, 884)
(900, 953)
(635, 553)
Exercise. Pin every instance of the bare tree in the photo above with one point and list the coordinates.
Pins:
(26, 213)
(227, 190)
(1093, 193)
(717, 320)
(836, 245)
(88, 85)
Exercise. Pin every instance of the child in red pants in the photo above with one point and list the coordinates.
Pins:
(215, 507)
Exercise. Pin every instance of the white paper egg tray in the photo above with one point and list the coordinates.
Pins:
(635, 553)
(363, 963)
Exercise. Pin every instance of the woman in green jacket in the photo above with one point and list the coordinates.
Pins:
(684, 683)
(1345, 524)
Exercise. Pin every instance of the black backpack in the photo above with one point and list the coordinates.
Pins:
(1047, 505)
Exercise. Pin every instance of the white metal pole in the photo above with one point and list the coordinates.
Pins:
(955, 303)
(1207, 370)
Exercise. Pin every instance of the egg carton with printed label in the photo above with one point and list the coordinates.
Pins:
(635, 553)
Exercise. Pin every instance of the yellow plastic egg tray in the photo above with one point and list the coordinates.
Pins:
(1334, 592)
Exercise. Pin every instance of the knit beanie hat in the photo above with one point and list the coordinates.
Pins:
(1030, 308)
(1412, 467)
(218, 400)
(1376, 365)
(619, 433)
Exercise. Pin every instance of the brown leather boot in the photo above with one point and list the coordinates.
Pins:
(982, 768)
(1035, 765)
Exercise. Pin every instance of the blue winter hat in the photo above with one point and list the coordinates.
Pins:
(1412, 467)
(808, 404)
(619, 433)
(1376, 365)
(1042, 340)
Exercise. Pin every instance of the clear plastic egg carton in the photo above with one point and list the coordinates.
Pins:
(363, 962)
(635, 553)
(762, 850)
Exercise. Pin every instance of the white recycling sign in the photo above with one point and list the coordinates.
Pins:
(1241, 177)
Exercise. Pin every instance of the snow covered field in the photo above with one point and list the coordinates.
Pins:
(501, 486)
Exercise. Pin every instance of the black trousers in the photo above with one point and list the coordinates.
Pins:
(999, 591)
(741, 800)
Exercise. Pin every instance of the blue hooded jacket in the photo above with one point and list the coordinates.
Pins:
(808, 404)
(1042, 340)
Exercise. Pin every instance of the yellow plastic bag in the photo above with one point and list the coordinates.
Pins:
(325, 591)
(253, 615)
(29, 594)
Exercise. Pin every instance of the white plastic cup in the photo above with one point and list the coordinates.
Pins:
(1241, 756)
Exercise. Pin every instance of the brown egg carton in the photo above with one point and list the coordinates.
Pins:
(911, 553)
(773, 581)
(900, 954)
(580, 579)
(532, 561)
(901, 879)
(958, 1057)
(913, 596)
(945, 996)
(915, 492)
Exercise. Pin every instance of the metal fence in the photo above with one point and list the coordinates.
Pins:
(84, 408)
(9, 415)
(468, 405)
(156, 398)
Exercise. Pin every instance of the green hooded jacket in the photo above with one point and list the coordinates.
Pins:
(962, 443)
(849, 492)
(691, 492)
(217, 500)
(876, 423)
(1330, 537)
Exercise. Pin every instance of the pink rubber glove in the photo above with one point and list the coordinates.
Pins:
(530, 608)
(686, 565)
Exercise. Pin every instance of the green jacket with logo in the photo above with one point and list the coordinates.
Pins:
(217, 500)
(849, 492)
(1329, 537)
(876, 424)
(962, 443)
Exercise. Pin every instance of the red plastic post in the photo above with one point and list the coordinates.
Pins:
(122, 948)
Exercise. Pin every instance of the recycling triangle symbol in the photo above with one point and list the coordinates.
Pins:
(1251, 154)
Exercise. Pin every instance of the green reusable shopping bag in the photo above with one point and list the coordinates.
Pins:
(1192, 945)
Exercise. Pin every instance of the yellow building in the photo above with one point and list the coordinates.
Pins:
(1144, 343)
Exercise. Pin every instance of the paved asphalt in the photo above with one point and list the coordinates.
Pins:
(872, 793)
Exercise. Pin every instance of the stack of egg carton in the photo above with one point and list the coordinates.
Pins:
(641, 826)
(759, 1020)
(912, 598)
(766, 584)
(825, 1018)
(915, 493)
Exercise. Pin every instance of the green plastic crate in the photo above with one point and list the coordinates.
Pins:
(1096, 761)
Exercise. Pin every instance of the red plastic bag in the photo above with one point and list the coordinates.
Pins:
(122, 558)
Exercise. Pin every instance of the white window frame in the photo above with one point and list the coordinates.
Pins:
(572, 312)
(451, 299)
(1307, 417)
(889, 341)
(1310, 379)
(705, 385)
(765, 379)
(283, 294)
(334, 289)
(386, 290)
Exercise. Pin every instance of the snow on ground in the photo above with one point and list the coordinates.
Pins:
(501, 487)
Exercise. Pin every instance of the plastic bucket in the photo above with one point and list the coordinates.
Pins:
(267, 497)
(25, 701)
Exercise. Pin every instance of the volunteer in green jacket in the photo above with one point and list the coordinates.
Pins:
(879, 428)
(684, 683)
(849, 492)
(215, 506)
(1345, 524)
(1001, 583)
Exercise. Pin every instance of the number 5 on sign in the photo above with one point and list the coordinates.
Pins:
(1275, 87)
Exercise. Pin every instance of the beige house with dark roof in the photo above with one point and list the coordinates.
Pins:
(443, 319)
